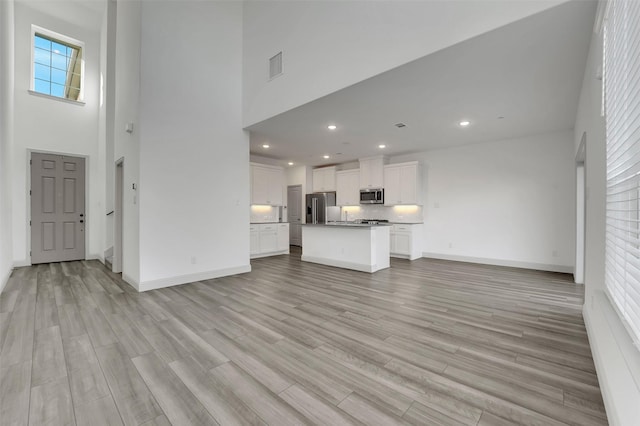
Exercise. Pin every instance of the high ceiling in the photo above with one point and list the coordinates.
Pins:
(518, 80)
(84, 13)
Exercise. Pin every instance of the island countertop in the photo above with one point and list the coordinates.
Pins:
(348, 224)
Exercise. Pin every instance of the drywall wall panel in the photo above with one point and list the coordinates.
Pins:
(194, 155)
(126, 146)
(507, 202)
(52, 125)
(6, 137)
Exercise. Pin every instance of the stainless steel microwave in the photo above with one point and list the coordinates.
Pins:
(372, 196)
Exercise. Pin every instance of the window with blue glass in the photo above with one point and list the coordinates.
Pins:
(57, 67)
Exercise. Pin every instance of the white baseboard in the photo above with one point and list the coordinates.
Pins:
(133, 283)
(404, 256)
(273, 253)
(95, 257)
(341, 264)
(500, 262)
(189, 278)
(108, 252)
(5, 280)
(617, 361)
(21, 263)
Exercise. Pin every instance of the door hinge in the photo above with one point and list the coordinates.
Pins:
(29, 252)
(29, 192)
(30, 161)
(29, 223)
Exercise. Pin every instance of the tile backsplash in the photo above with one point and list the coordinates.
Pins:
(399, 214)
(264, 214)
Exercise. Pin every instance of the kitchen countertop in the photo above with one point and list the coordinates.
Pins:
(347, 224)
(264, 223)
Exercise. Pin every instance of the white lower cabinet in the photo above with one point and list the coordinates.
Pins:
(406, 240)
(254, 240)
(283, 237)
(268, 239)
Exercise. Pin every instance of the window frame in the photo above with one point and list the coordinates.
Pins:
(63, 39)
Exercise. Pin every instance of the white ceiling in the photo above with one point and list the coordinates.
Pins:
(529, 72)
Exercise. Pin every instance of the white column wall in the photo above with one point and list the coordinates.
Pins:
(127, 145)
(194, 155)
(6, 137)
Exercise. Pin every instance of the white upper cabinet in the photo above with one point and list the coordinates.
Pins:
(266, 184)
(402, 184)
(348, 188)
(372, 172)
(324, 179)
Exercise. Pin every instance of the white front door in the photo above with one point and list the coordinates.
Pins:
(57, 208)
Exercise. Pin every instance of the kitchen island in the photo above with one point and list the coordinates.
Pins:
(360, 247)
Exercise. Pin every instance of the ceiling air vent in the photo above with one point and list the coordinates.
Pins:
(399, 125)
(275, 66)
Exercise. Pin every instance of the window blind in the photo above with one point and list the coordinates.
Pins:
(622, 118)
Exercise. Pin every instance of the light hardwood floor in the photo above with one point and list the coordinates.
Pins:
(425, 342)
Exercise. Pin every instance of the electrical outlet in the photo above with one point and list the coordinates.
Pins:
(194, 260)
(554, 253)
(450, 245)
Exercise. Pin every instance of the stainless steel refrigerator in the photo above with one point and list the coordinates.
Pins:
(321, 207)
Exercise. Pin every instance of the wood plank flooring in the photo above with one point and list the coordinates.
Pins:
(426, 342)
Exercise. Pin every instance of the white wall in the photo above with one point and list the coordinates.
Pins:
(194, 155)
(125, 145)
(507, 202)
(6, 136)
(617, 361)
(50, 125)
(366, 38)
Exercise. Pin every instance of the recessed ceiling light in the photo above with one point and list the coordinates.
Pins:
(326, 157)
(464, 123)
(332, 127)
(265, 146)
(382, 146)
(400, 125)
(290, 163)
(501, 117)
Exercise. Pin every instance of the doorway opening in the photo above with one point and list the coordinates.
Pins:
(116, 265)
(294, 214)
(581, 210)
